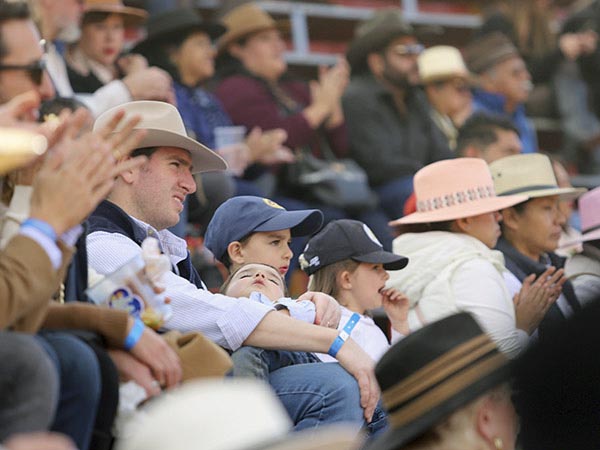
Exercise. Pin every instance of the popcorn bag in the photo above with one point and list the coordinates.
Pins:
(131, 287)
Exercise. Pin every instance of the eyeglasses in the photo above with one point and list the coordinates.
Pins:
(35, 70)
(408, 49)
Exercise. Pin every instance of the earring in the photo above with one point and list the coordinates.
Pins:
(498, 443)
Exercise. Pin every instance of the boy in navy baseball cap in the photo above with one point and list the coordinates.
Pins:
(254, 229)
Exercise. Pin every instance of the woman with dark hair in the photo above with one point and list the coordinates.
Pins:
(256, 91)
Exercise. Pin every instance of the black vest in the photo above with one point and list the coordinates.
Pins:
(522, 266)
(110, 218)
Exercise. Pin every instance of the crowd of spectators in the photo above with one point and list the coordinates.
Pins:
(475, 263)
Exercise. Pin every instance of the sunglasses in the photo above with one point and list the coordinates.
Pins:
(35, 70)
(408, 49)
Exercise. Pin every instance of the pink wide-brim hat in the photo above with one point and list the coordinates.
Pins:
(589, 212)
(454, 189)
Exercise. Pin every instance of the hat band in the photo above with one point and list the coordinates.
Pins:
(446, 390)
(437, 370)
(537, 187)
(589, 230)
(456, 198)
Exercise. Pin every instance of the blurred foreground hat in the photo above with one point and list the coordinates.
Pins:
(454, 189)
(246, 20)
(441, 62)
(226, 414)
(433, 372)
(131, 16)
(376, 33)
(485, 52)
(19, 148)
(164, 128)
(528, 174)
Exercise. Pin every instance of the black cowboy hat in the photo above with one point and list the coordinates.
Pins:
(432, 373)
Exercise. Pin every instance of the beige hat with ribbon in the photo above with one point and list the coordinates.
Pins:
(164, 128)
(131, 16)
(440, 63)
(528, 174)
(246, 20)
(454, 189)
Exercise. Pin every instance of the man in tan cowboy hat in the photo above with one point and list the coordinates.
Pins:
(148, 200)
(391, 133)
(531, 229)
(58, 21)
(446, 82)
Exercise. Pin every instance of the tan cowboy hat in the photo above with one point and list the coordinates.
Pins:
(528, 174)
(485, 52)
(375, 33)
(131, 16)
(19, 148)
(164, 128)
(227, 414)
(454, 189)
(441, 62)
(244, 21)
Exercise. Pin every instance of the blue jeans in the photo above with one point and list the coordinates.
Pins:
(318, 394)
(79, 376)
(259, 363)
(393, 195)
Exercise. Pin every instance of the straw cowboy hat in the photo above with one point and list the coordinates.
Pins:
(244, 21)
(528, 174)
(170, 24)
(375, 33)
(164, 128)
(454, 189)
(226, 414)
(441, 62)
(589, 212)
(131, 16)
(433, 372)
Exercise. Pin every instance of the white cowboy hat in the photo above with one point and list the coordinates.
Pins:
(528, 174)
(226, 414)
(164, 128)
(455, 189)
(441, 62)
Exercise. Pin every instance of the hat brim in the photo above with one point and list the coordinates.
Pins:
(563, 193)
(203, 158)
(230, 37)
(300, 223)
(482, 206)
(214, 30)
(131, 16)
(360, 47)
(389, 260)
(399, 437)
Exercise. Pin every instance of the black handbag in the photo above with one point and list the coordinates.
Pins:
(333, 181)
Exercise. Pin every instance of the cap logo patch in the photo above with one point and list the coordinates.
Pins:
(272, 204)
(371, 235)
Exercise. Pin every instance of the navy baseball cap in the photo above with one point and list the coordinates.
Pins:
(347, 239)
(240, 216)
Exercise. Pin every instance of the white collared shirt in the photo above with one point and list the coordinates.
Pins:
(225, 320)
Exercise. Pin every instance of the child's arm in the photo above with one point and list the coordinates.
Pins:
(396, 306)
(303, 310)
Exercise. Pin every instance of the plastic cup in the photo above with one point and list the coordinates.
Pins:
(225, 136)
(128, 288)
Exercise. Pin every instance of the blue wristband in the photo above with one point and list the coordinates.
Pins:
(42, 227)
(344, 335)
(134, 334)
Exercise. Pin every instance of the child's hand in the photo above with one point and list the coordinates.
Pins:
(396, 306)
